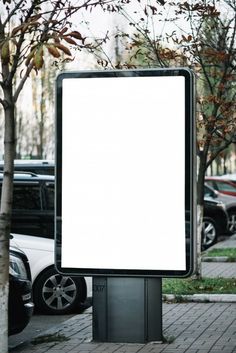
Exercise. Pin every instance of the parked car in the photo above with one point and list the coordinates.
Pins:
(33, 209)
(221, 185)
(231, 177)
(215, 221)
(37, 166)
(52, 292)
(229, 202)
(20, 305)
(33, 215)
(33, 204)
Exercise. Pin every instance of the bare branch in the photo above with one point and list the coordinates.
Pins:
(19, 44)
(13, 12)
(22, 82)
(219, 150)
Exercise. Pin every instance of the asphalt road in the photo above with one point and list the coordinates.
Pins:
(39, 323)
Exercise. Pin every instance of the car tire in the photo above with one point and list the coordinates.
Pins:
(232, 221)
(57, 294)
(209, 232)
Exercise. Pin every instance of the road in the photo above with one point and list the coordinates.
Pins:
(39, 323)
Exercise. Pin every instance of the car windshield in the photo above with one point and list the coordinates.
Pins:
(225, 187)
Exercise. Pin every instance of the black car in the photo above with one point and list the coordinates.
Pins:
(33, 215)
(229, 202)
(33, 204)
(37, 166)
(215, 221)
(20, 305)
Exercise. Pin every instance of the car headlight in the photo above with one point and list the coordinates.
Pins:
(17, 267)
(222, 205)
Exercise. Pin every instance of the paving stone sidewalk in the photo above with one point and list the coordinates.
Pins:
(228, 242)
(221, 269)
(187, 327)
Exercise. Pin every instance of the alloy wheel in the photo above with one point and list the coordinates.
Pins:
(209, 233)
(232, 223)
(59, 292)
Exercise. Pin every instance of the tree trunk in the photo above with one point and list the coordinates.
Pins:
(200, 205)
(42, 112)
(4, 289)
(5, 213)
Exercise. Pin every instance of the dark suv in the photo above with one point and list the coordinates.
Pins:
(33, 204)
(20, 305)
(215, 221)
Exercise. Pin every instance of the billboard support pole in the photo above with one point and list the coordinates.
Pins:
(127, 309)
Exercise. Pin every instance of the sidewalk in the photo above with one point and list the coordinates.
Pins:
(228, 242)
(187, 327)
(221, 269)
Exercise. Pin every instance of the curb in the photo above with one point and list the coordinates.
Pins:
(200, 298)
(218, 259)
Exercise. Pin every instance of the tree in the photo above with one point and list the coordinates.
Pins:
(27, 30)
(43, 101)
(211, 48)
(201, 35)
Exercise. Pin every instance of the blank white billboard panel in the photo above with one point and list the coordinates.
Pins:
(123, 173)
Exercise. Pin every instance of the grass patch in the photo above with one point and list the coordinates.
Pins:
(228, 252)
(57, 337)
(168, 339)
(179, 286)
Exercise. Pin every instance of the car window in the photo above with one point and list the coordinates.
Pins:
(27, 197)
(49, 193)
(212, 184)
(225, 187)
(207, 191)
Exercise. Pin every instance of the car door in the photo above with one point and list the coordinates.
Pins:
(27, 209)
(48, 208)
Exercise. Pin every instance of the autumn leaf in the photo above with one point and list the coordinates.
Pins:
(64, 30)
(5, 52)
(187, 39)
(75, 34)
(30, 56)
(53, 50)
(17, 29)
(35, 18)
(63, 48)
(38, 58)
(69, 40)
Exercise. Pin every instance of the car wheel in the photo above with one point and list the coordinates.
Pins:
(57, 294)
(209, 232)
(232, 222)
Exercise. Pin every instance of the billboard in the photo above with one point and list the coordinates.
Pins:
(125, 158)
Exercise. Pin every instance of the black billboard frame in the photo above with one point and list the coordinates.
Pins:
(190, 172)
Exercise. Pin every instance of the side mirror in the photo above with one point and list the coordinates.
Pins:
(208, 191)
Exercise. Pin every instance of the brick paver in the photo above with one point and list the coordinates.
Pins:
(188, 327)
(228, 242)
(219, 269)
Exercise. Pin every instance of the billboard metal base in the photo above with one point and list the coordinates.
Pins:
(127, 309)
